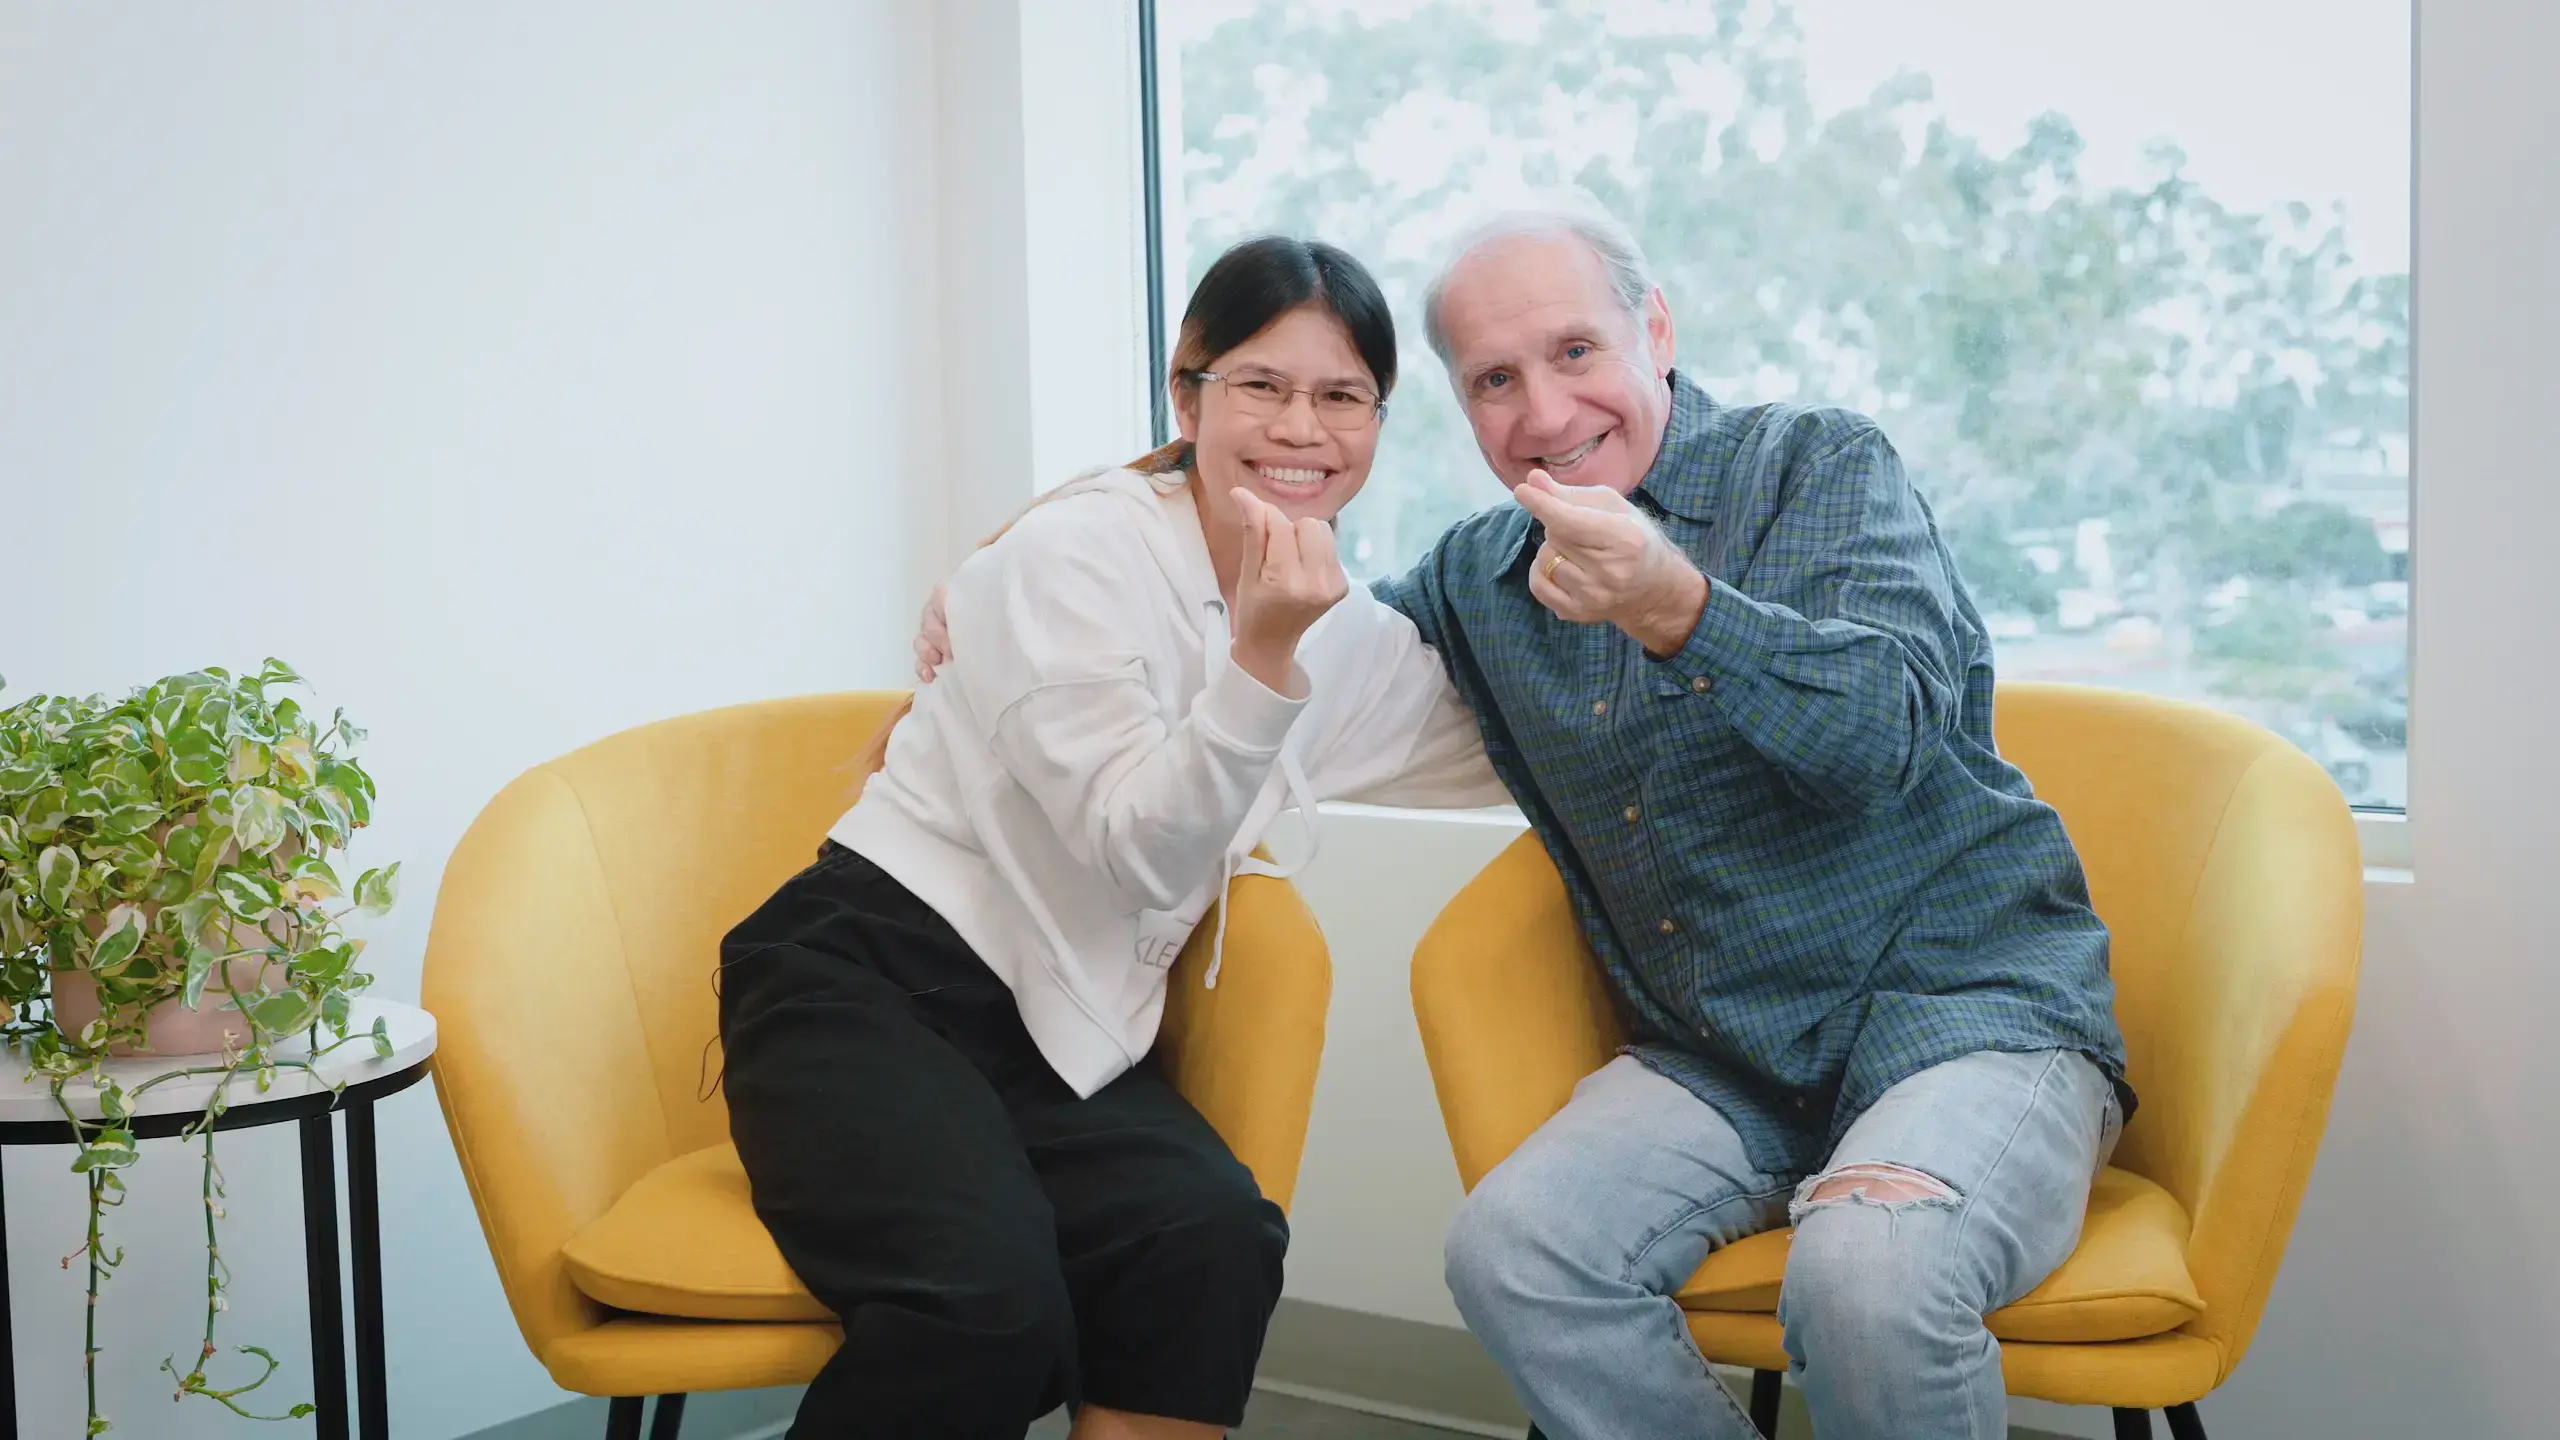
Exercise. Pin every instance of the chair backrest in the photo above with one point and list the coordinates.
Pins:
(2227, 868)
(570, 966)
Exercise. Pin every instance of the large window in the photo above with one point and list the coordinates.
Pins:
(2126, 283)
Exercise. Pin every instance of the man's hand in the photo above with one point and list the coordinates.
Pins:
(1605, 563)
(933, 639)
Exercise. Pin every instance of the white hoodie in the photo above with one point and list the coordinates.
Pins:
(1089, 770)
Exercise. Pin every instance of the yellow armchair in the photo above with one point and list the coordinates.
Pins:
(2227, 867)
(570, 970)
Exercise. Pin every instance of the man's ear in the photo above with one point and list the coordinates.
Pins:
(1657, 332)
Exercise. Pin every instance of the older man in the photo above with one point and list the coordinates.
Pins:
(1724, 662)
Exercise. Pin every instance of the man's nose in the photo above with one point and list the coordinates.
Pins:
(1546, 409)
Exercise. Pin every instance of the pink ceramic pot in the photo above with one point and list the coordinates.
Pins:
(170, 1029)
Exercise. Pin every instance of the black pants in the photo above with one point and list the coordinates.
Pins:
(994, 1245)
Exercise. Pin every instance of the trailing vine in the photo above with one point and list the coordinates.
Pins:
(173, 848)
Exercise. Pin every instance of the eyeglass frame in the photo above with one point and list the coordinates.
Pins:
(1377, 404)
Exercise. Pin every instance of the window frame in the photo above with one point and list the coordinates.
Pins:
(2386, 834)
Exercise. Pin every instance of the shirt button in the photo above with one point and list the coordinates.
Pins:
(1701, 685)
(1599, 707)
(1633, 814)
(1667, 927)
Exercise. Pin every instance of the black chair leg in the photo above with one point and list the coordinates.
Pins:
(1534, 1434)
(670, 1418)
(622, 1422)
(2133, 1425)
(1767, 1388)
(2185, 1423)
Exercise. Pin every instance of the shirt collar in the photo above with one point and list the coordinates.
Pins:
(1682, 479)
(1679, 480)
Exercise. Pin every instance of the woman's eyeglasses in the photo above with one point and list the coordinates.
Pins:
(1262, 394)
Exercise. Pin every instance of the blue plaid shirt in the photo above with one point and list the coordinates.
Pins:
(1805, 869)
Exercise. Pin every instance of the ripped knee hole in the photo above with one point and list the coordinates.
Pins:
(1879, 1184)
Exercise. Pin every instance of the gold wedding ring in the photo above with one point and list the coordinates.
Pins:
(1552, 562)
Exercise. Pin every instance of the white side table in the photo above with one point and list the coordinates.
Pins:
(28, 1117)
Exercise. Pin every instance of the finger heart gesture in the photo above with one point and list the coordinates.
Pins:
(1289, 577)
(1603, 562)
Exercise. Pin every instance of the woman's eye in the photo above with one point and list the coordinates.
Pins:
(1259, 389)
(1345, 397)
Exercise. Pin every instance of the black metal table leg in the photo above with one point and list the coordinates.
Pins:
(8, 1338)
(320, 1261)
(364, 1217)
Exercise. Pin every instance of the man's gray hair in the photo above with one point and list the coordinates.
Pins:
(1554, 215)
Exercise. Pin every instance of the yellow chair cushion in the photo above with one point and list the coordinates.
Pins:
(2128, 1279)
(684, 1240)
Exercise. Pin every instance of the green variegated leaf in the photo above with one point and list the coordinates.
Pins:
(248, 761)
(57, 869)
(195, 772)
(246, 896)
(112, 1150)
(201, 963)
(192, 919)
(131, 818)
(216, 843)
(183, 845)
(46, 812)
(307, 892)
(378, 890)
(327, 963)
(194, 739)
(257, 818)
(123, 936)
(381, 1038)
(24, 777)
(294, 761)
(282, 1013)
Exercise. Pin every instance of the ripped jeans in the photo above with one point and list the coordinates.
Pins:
(1958, 1192)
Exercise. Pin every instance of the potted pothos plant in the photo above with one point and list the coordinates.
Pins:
(167, 891)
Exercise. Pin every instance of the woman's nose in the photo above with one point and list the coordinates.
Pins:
(1297, 423)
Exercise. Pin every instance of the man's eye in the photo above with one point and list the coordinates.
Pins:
(1576, 352)
(1494, 381)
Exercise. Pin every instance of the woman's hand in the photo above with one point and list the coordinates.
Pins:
(1289, 578)
(933, 639)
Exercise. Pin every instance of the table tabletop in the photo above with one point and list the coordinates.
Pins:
(28, 1098)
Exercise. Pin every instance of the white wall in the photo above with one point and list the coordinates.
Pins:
(2418, 1296)
(521, 372)
(623, 349)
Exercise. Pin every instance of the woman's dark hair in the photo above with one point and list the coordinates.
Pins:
(1255, 283)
